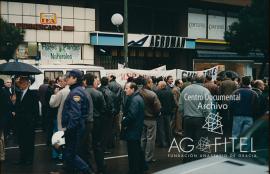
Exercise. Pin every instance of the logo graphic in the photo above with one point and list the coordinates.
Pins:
(213, 123)
(204, 145)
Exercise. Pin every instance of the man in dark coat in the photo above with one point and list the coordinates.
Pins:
(8, 119)
(3, 111)
(118, 93)
(132, 125)
(26, 112)
(98, 116)
(110, 112)
(168, 105)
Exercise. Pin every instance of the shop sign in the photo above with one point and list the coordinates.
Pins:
(196, 25)
(42, 27)
(141, 40)
(52, 51)
(48, 18)
(216, 27)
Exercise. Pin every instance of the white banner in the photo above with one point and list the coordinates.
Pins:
(123, 74)
(212, 72)
(161, 68)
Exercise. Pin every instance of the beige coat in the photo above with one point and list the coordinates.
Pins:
(58, 100)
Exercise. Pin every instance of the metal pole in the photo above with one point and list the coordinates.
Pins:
(126, 32)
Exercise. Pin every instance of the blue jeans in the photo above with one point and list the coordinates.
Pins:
(241, 124)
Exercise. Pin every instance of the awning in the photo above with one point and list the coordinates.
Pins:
(203, 54)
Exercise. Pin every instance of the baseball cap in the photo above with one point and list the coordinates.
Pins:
(75, 73)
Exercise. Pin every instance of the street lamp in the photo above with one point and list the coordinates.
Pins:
(117, 20)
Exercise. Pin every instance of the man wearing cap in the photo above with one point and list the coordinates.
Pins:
(74, 115)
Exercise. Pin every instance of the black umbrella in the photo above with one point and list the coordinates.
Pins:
(228, 73)
(18, 68)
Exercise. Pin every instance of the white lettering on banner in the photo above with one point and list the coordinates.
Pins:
(61, 51)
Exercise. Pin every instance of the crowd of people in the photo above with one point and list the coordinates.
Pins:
(94, 113)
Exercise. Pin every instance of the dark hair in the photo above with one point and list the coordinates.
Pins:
(113, 77)
(167, 78)
(160, 78)
(130, 79)
(104, 81)
(1, 83)
(133, 85)
(46, 80)
(208, 77)
(246, 80)
(189, 79)
(184, 79)
(140, 80)
(228, 75)
(89, 78)
(154, 79)
(176, 82)
(58, 78)
(219, 78)
(51, 82)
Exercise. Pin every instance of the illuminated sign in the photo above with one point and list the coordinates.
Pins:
(48, 18)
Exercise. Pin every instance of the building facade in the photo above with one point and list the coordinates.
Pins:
(54, 34)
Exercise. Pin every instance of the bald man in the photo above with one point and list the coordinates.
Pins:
(168, 105)
(263, 104)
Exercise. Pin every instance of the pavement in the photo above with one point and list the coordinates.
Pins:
(116, 161)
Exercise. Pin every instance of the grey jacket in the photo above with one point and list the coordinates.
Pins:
(195, 101)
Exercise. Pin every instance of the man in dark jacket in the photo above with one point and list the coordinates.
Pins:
(118, 93)
(227, 87)
(8, 92)
(132, 125)
(109, 112)
(26, 113)
(3, 111)
(259, 88)
(168, 105)
(75, 113)
(98, 115)
(244, 110)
